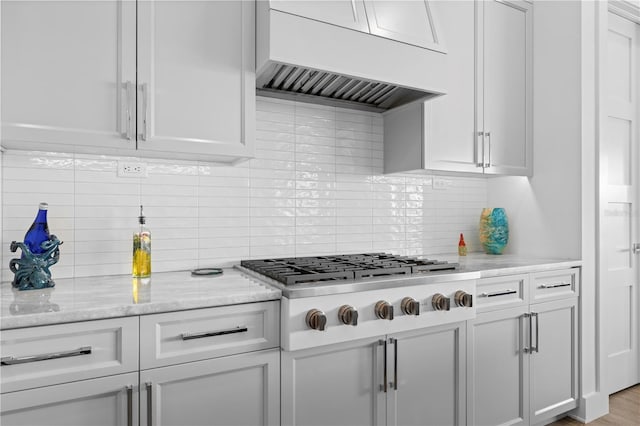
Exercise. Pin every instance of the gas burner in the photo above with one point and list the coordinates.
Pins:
(296, 270)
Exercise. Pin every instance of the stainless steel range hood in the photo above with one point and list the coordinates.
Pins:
(312, 61)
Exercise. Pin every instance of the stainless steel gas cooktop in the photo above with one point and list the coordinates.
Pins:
(323, 269)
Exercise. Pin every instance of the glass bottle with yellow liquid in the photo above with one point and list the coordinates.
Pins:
(142, 249)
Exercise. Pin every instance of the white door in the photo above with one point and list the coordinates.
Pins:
(498, 376)
(65, 65)
(96, 402)
(619, 187)
(335, 385)
(506, 101)
(239, 390)
(553, 364)
(428, 374)
(196, 78)
(343, 13)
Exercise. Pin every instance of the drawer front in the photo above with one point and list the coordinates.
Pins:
(552, 285)
(198, 334)
(41, 356)
(502, 292)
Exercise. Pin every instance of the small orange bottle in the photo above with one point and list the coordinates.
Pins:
(462, 247)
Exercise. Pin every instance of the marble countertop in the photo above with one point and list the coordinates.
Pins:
(90, 298)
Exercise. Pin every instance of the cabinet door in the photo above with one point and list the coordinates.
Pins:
(334, 385)
(196, 76)
(506, 101)
(428, 376)
(451, 142)
(413, 22)
(95, 402)
(343, 13)
(498, 375)
(554, 380)
(235, 390)
(65, 65)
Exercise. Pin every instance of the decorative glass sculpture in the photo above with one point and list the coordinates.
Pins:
(32, 270)
(494, 230)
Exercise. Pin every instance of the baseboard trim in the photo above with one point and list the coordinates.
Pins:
(591, 407)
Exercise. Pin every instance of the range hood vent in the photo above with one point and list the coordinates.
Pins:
(287, 81)
(312, 61)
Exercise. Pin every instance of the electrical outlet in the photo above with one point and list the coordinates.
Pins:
(131, 169)
(440, 183)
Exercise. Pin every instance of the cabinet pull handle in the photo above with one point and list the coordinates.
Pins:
(554, 285)
(527, 349)
(536, 348)
(480, 149)
(383, 387)
(488, 163)
(149, 387)
(130, 100)
(191, 336)
(129, 405)
(395, 363)
(145, 110)
(498, 293)
(10, 360)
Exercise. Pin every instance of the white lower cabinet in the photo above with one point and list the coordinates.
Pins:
(523, 360)
(104, 401)
(213, 366)
(234, 390)
(412, 378)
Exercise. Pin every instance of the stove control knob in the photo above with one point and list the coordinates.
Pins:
(463, 299)
(348, 315)
(316, 319)
(384, 310)
(410, 306)
(440, 303)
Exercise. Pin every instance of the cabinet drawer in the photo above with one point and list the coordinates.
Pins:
(555, 284)
(178, 337)
(502, 292)
(41, 356)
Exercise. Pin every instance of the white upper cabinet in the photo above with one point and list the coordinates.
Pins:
(413, 22)
(506, 97)
(168, 79)
(343, 13)
(484, 122)
(408, 21)
(196, 78)
(63, 69)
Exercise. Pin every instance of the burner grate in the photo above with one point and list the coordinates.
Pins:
(295, 270)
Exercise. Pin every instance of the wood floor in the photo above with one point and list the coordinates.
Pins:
(624, 410)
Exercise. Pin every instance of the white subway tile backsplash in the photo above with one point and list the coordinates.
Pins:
(315, 187)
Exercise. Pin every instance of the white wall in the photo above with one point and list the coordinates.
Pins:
(315, 187)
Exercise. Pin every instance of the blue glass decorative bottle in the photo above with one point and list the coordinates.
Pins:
(39, 231)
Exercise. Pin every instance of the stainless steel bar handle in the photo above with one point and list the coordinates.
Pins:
(395, 363)
(145, 111)
(536, 348)
(554, 285)
(129, 405)
(527, 349)
(149, 387)
(499, 293)
(10, 360)
(635, 248)
(487, 164)
(129, 102)
(191, 336)
(383, 387)
(480, 149)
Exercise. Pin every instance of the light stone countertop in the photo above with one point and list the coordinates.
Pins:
(90, 298)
